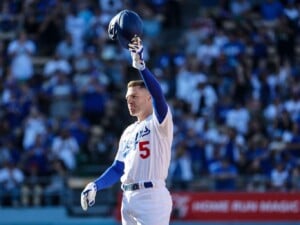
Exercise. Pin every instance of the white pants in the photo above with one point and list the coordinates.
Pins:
(151, 206)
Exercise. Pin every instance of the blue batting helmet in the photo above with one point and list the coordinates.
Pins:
(124, 26)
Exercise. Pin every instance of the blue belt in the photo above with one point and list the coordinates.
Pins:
(137, 186)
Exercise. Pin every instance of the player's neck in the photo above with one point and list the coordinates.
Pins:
(144, 116)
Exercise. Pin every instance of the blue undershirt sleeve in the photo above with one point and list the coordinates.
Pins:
(159, 101)
(111, 176)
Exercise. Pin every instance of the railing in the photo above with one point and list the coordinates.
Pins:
(69, 196)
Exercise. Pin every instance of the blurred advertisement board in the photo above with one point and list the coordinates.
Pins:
(216, 206)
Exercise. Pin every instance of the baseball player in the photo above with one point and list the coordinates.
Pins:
(143, 156)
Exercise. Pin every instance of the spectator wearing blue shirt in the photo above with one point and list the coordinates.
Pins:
(235, 46)
(181, 173)
(225, 175)
(258, 156)
(78, 126)
(94, 98)
(271, 10)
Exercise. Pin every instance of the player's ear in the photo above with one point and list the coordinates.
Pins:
(147, 94)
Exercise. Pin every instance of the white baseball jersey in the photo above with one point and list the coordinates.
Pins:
(145, 149)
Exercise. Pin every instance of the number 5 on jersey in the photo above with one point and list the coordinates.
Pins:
(144, 150)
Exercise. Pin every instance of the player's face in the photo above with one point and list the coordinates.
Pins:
(138, 102)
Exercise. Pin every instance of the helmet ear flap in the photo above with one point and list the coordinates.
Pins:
(113, 27)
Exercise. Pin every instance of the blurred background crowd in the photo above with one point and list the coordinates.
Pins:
(230, 70)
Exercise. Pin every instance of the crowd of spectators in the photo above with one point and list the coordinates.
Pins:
(231, 74)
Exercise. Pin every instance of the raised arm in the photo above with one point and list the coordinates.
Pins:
(159, 102)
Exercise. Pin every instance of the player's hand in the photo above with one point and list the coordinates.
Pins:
(88, 196)
(136, 50)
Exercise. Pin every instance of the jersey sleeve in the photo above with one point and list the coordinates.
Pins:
(165, 127)
(122, 145)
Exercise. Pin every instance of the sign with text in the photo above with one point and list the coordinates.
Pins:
(236, 206)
